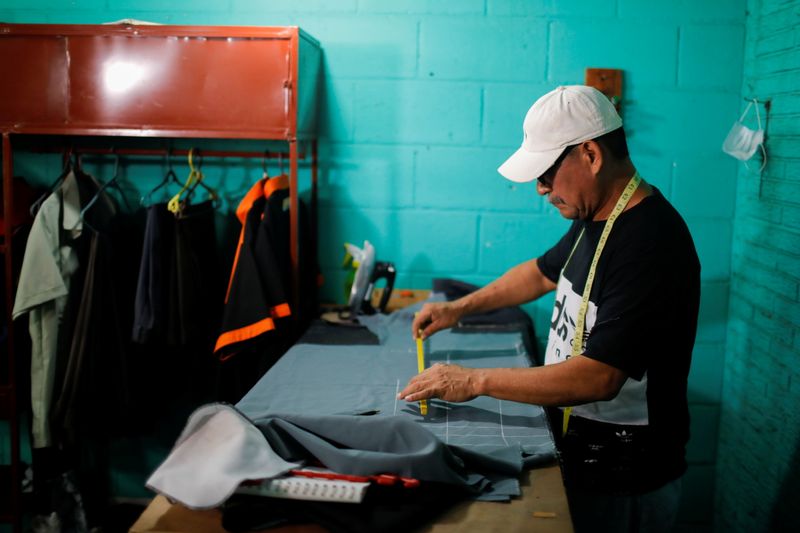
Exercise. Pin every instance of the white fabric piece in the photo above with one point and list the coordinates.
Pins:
(217, 450)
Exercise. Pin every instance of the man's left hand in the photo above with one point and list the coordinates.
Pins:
(452, 383)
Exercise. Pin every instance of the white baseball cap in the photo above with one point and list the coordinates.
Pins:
(568, 115)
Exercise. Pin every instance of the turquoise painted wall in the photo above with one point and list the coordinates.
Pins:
(424, 99)
(758, 469)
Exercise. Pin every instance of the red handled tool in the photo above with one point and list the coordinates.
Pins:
(380, 479)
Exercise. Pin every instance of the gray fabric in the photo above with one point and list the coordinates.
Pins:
(316, 382)
(326, 380)
(366, 445)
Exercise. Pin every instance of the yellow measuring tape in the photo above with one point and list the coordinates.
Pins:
(580, 321)
(423, 404)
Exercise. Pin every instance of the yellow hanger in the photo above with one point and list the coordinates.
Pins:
(195, 176)
(212, 194)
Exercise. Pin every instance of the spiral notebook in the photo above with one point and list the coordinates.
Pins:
(306, 488)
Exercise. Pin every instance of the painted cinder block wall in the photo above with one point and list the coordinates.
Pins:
(758, 466)
(423, 99)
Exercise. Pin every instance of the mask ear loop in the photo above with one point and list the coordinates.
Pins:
(747, 109)
(761, 144)
(758, 113)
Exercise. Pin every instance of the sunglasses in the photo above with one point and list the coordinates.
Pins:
(549, 175)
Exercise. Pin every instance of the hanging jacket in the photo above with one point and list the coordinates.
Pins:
(257, 290)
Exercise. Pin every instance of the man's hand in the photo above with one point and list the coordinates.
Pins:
(452, 383)
(434, 317)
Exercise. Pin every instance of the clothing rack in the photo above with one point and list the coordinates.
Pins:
(159, 81)
(313, 162)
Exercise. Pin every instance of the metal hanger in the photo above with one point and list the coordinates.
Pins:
(113, 182)
(195, 178)
(67, 168)
(170, 177)
(212, 194)
(265, 174)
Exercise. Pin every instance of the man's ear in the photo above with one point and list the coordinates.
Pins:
(593, 153)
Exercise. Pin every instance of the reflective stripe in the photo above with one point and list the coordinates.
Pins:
(242, 209)
(280, 311)
(243, 334)
(235, 264)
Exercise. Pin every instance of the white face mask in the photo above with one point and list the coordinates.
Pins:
(742, 142)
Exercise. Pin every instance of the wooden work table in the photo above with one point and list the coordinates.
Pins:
(542, 492)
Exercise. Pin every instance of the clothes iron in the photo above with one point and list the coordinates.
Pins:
(382, 270)
(367, 274)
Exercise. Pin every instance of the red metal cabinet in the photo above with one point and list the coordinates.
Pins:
(173, 81)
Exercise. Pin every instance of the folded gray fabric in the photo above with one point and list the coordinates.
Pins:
(365, 445)
(220, 448)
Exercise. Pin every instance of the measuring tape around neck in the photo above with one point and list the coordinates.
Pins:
(580, 321)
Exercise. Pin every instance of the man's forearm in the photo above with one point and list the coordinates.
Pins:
(575, 381)
(521, 284)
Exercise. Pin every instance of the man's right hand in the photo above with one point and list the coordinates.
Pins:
(436, 316)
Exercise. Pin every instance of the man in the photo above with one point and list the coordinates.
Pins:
(628, 280)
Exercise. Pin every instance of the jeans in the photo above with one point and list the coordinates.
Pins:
(651, 512)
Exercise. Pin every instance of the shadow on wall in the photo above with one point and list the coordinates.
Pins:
(705, 377)
(785, 516)
(640, 129)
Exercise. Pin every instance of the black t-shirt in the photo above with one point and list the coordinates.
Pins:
(642, 319)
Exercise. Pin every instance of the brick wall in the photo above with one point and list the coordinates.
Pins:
(423, 100)
(758, 469)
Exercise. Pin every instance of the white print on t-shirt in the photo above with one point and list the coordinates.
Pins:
(630, 405)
